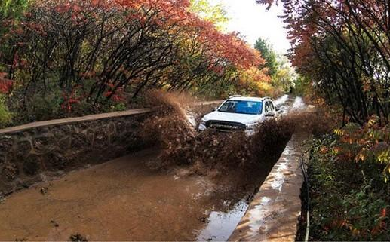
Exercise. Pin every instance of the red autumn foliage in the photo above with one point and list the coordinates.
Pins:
(5, 84)
(70, 99)
(344, 47)
(227, 46)
(132, 44)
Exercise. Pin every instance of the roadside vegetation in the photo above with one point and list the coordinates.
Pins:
(70, 58)
(349, 199)
(341, 51)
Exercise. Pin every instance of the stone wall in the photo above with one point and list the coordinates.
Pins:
(29, 153)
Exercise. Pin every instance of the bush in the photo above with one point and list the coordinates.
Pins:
(349, 200)
(5, 115)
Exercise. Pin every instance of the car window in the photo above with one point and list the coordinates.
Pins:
(242, 106)
(267, 107)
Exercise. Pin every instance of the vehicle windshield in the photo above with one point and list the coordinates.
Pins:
(241, 106)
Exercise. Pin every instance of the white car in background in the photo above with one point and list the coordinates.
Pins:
(239, 113)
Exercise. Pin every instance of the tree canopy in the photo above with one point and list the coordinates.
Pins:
(66, 53)
(343, 46)
(268, 54)
(213, 13)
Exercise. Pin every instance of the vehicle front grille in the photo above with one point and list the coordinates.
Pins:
(225, 125)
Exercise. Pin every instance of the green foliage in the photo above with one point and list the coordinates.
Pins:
(5, 115)
(117, 107)
(13, 9)
(279, 68)
(214, 13)
(302, 85)
(349, 200)
(285, 75)
(268, 54)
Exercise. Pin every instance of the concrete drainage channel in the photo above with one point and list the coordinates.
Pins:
(271, 214)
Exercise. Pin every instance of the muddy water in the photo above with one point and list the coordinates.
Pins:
(221, 224)
(125, 199)
(120, 200)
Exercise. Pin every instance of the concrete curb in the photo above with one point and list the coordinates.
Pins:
(72, 120)
(88, 118)
(273, 213)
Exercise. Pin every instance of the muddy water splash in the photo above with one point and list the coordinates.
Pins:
(298, 104)
(281, 100)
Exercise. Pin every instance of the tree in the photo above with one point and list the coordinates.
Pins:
(73, 53)
(344, 47)
(12, 9)
(285, 75)
(268, 54)
(216, 13)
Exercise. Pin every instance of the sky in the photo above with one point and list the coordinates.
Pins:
(253, 21)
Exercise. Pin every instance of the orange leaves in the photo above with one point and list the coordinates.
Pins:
(324, 150)
(95, 2)
(115, 94)
(370, 143)
(70, 99)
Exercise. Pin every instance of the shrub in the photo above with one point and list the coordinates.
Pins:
(349, 200)
(5, 115)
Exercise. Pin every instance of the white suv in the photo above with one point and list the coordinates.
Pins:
(239, 113)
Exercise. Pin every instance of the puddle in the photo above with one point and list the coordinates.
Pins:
(258, 214)
(279, 177)
(222, 224)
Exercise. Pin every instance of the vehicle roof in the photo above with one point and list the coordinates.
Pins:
(247, 98)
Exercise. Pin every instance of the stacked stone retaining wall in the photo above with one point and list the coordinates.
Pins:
(31, 152)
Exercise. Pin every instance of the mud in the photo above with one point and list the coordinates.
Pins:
(132, 198)
(210, 152)
(121, 200)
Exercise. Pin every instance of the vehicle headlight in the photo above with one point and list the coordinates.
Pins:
(202, 125)
(251, 126)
